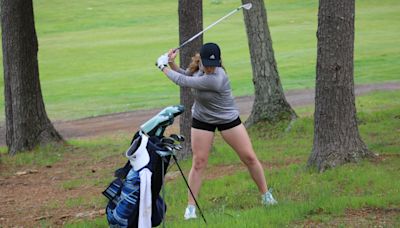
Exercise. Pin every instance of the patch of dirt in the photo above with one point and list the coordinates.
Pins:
(130, 121)
(383, 157)
(43, 195)
(40, 195)
(30, 198)
(53, 194)
(364, 217)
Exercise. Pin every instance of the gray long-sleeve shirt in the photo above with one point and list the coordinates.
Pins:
(213, 100)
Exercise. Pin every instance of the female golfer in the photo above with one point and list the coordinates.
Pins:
(214, 108)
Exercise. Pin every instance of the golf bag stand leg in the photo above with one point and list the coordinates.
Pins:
(190, 190)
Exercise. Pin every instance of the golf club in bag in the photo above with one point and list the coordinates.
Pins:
(136, 189)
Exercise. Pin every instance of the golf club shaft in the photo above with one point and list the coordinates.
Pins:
(208, 27)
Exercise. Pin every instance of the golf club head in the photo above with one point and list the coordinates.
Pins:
(247, 6)
(178, 147)
(167, 140)
(182, 138)
(179, 138)
(170, 148)
(174, 136)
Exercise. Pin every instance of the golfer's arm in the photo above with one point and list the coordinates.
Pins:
(173, 66)
(203, 83)
(176, 68)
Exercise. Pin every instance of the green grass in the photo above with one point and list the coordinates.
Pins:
(41, 156)
(98, 222)
(97, 57)
(231, 199)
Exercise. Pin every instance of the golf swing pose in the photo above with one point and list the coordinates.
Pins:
(214, 108)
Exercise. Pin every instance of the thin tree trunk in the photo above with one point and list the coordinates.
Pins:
(27, 124)
(269, 102)
(336, 137)
(190, 23)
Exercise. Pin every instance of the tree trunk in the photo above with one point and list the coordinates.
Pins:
(190, 23)
(269, 102)
(27, 124)
(336, 137)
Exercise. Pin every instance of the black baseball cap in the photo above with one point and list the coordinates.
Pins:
(210, 55)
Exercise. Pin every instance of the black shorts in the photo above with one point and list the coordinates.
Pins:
(211, 127)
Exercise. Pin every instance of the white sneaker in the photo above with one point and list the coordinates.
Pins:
(190, 212)
(267, 199)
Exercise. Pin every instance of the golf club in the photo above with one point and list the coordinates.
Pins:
(244, 6)
(179, 138)
(167, 140)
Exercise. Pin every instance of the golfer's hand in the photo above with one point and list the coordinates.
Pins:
(162, 61)
(172, 55)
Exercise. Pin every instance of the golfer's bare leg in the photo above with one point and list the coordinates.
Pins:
(201, 145)
(239, 140)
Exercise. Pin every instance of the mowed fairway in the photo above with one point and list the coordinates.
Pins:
(97, 57)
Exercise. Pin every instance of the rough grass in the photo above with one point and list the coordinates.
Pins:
(229, 198)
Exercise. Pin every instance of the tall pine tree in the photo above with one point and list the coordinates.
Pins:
(336, 137)
(27, 124)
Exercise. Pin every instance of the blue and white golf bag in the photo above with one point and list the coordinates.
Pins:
(134, 196)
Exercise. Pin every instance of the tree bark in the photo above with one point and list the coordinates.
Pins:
(270, 104)
(190, 23)
(336, 136)
(27, 124)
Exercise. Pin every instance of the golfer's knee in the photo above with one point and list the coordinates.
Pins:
(250, 160)
(199, 164)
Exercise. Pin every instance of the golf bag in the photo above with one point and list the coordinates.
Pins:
(134, 196)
